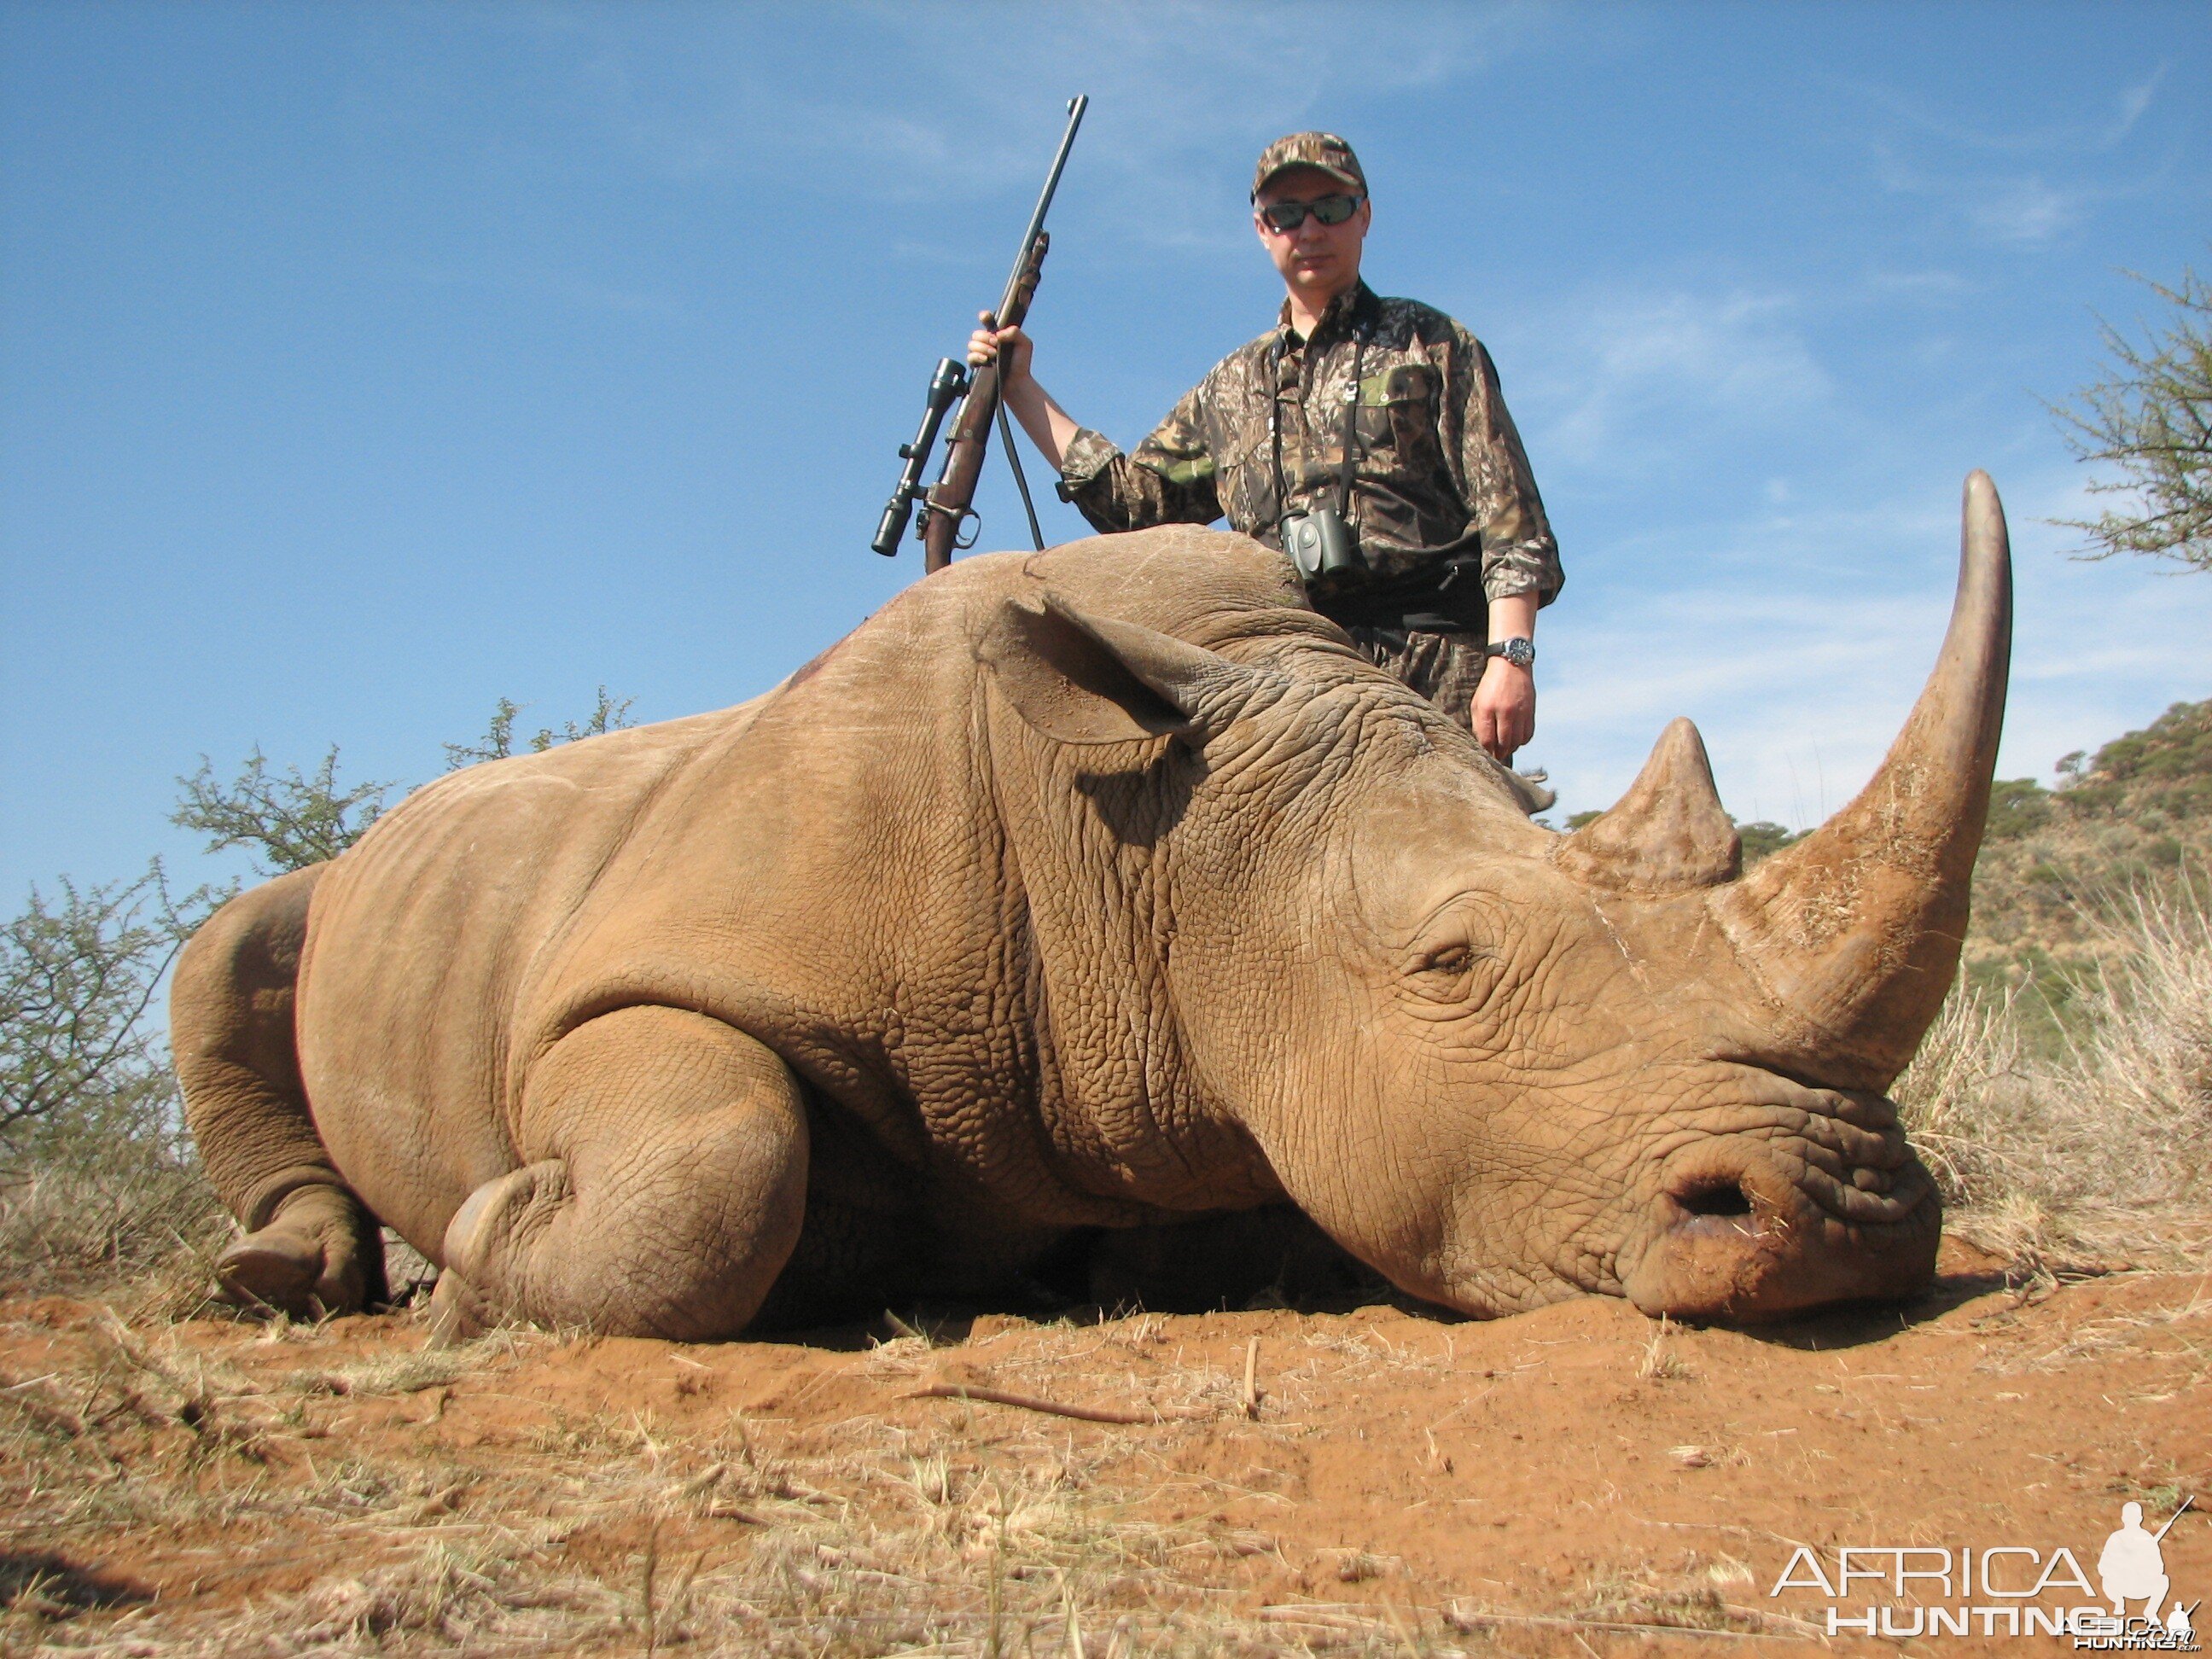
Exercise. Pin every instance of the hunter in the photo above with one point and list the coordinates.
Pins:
(1382, 415)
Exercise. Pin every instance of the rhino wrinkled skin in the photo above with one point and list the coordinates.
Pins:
(1101, 889)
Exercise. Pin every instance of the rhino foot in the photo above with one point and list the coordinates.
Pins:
(311, 1261)
(665, 1188)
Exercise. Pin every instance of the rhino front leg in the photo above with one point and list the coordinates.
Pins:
(664, 1190)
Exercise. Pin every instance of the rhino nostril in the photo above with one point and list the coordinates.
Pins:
(1715, 1198)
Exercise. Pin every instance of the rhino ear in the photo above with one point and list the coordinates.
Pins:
(1667, 834)
(1085, 679)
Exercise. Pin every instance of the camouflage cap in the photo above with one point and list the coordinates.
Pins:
(1324, 150)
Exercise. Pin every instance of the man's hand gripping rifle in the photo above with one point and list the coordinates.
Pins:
(947, 505)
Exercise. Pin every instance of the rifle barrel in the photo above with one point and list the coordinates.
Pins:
(1076, 106)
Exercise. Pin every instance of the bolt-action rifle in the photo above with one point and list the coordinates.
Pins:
(948, 504)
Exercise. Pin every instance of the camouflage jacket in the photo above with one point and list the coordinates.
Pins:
(1438, 469)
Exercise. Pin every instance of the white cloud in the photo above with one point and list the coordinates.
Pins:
(1172, 85)
(2025, 210)
(2017, 208)
(2082, 133)
(1626, 378)
(1798, 695)
(538, 281)
(1928, 157)
(2133, 103)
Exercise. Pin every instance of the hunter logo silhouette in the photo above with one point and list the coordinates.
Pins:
(2132, 1567)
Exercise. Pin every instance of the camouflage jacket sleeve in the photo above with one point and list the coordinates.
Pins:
(1519, 555)
(1169, 480)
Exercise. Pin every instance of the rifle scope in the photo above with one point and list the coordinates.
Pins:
(950, 382)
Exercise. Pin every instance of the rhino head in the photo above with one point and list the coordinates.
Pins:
(1503, 1066)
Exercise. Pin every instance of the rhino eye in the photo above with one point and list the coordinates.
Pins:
(1452, 975)
(1448, 959)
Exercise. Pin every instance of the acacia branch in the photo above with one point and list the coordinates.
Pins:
(2151, 418)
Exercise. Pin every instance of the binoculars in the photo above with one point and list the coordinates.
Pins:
(1321, 544)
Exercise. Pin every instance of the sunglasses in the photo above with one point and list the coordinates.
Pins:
(1283, 218)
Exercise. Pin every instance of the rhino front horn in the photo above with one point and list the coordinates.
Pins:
(1855, 932)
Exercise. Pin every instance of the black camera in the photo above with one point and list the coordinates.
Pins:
(1321, 544)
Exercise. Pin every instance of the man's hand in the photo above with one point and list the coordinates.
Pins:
(1009, 347)
(1504, 708)
(1051, 428)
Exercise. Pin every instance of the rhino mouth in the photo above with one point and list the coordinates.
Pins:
(1746, 1230)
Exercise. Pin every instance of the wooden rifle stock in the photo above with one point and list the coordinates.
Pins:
(946, 506)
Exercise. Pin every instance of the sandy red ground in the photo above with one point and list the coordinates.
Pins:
(1401, 1473)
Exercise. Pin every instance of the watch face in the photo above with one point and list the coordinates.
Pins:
(1519, 652)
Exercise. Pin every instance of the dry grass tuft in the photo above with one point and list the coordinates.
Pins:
(409, 1372)
(123, 1216)
(2099, 1140)
(1634, 1598)
(1660, 1363)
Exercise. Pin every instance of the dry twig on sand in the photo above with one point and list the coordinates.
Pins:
(1054, 1408)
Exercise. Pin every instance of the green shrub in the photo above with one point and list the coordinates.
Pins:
(2017, 807)
(287, 820)
(1763, 840)
(2166, 768)
(98, 1182)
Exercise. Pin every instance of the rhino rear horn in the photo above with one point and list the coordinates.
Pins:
(1080, 679)
(1667, 834)
(1855, 930)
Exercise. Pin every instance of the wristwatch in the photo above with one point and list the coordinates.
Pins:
(1521, 652)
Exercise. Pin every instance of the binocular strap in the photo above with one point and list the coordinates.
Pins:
(1351, 433)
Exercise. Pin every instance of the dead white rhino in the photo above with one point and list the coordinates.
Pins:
(1094, 890)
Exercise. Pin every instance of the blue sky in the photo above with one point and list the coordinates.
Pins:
(364, 364)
